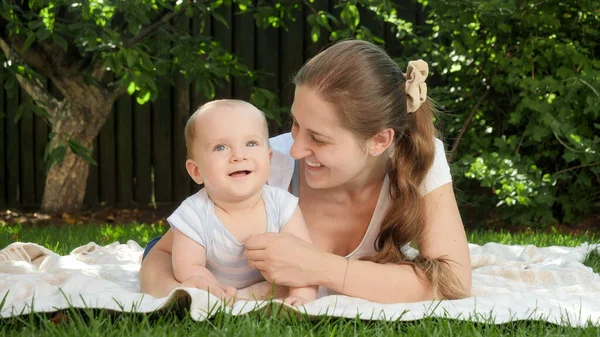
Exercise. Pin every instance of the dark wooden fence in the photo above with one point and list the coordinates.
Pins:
(141, 149)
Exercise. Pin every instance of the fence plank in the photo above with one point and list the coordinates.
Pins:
(12, 151)
(311, 49)
(198, 27)
(92, 195)
(369, 19)
(291, 59)
(222, 34)
(3, 119)
(41, 140)
(244, 42)
(27, 159)
(161, 145)
(181, 113)
(107, 161)
(124, 151)
(142, 154)
(267, 60)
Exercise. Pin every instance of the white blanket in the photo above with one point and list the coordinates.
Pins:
(509, 283)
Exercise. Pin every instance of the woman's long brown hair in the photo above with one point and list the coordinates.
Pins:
(368, 88)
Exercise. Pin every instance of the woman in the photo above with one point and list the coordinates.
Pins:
(371, 178)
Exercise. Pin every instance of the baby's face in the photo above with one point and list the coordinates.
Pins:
(232, 152)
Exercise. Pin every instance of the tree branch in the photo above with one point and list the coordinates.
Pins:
(312, 9)
(153, 26)
(31, 56)
(576, 167)
(98, 72)
(34, 87)
(116, 93)
(466, 125)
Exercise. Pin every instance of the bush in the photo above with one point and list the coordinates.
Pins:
(528, 73)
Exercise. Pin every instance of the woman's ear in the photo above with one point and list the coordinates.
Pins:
(381, 141)
(193, 171)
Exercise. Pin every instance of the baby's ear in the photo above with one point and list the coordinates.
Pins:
(193, 171)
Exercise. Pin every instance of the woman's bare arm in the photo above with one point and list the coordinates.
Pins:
(293, 262)
(444, 236)
(156, 273)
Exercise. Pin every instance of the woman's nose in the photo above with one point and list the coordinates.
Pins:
(299, 147)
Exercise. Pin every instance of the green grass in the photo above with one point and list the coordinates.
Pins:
(64, 238)
(176, 322)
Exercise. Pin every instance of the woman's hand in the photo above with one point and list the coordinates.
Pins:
(283, 259)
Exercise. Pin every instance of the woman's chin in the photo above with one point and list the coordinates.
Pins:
(318, 183)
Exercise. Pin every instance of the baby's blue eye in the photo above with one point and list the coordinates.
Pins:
(220, 147)
(252, 143)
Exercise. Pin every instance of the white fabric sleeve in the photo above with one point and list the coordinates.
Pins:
(286, 203)
(282, 164)
(187, 219)
(439, 173)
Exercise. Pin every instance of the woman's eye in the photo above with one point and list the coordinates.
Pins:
(220, 147)
(318, 142)
(294, 122)
(252, 143)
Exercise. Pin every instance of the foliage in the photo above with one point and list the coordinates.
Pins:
(141, 43)
(524, 75)
(534, 139)
(115, 45)
(104, 49)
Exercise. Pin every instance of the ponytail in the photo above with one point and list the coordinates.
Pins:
(411, 159)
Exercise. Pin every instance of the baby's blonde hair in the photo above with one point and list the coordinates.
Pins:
(190, 127)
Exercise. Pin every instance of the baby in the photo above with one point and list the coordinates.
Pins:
(228, 151)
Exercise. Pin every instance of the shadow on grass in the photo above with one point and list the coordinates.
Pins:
(593, 261)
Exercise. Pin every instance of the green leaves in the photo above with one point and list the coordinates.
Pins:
(81, 151)
(544, 91)
(350, 16)
(56, 150)
(54, 156)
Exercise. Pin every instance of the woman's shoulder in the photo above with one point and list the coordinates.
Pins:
(439, 173)
(282, 164)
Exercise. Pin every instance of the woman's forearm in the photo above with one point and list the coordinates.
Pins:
(382, 283)
(156, 274)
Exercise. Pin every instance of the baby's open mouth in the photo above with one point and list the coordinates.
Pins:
(240, 173)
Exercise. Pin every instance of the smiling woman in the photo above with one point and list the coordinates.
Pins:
(370, 176)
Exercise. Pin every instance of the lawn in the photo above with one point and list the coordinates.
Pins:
(176, 322)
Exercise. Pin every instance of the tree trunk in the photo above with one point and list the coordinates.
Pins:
(79, 116)
(65, 184)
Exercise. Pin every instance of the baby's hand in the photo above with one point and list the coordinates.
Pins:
(296, 300)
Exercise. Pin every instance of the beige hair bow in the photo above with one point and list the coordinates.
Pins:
(415, 86)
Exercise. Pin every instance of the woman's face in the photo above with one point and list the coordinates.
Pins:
(331, 155)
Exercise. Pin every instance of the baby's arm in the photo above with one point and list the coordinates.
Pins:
(189, 263)
(296, 226)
